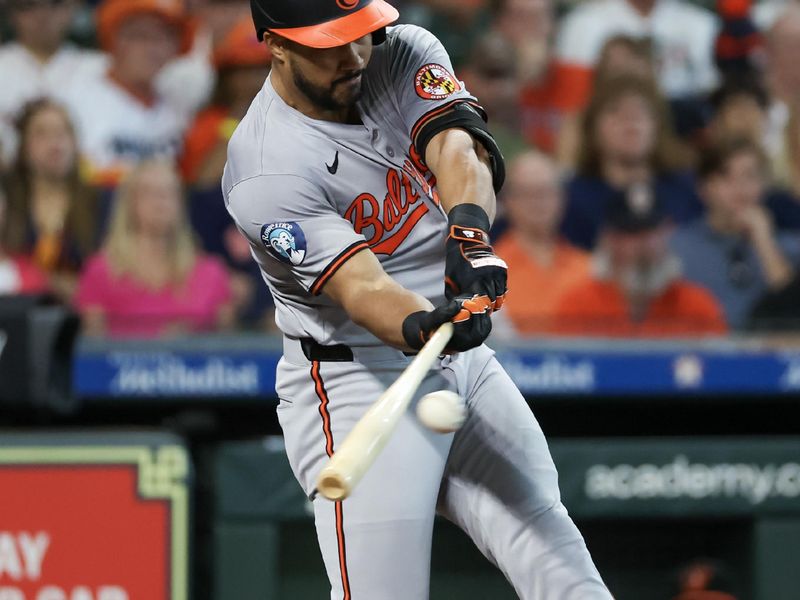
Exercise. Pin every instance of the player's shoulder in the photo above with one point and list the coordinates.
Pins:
(273, 146)
(408, 40)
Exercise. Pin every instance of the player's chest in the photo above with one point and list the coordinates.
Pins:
(386, 192)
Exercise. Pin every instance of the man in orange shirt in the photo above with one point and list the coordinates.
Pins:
(636, 288)
(541, 265)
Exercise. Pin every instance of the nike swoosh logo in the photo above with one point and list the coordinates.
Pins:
(335, 166)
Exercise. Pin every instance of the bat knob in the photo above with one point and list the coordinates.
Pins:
(333, 486)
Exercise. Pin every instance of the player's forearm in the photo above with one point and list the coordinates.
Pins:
(461, 166)
(381, 309)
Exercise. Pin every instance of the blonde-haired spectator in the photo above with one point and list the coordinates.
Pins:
(149, 279)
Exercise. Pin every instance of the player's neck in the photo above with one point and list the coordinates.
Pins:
(297, 100)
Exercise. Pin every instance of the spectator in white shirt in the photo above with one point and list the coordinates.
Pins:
(39, 62)
(683, 36)
(122, 117)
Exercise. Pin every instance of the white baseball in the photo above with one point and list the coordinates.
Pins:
(442, 411)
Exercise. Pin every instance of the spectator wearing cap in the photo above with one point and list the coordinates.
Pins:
(636, 288)
(121, 116)
(683, 35)
(39, 62)
(149, 279)
(51, 213)
(18, 273)
(541, 265)
(626, 139)
(734, 250)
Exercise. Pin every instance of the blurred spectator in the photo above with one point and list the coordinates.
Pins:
(121, 116)
(706, 580)
(457, 24)
(39, 62)
(18, 273)
(783, 80)
(683, 35)
(51, 212)
(626, 140)
(734, 251)
(491, 77)
(149, 279)
(242, 64)
(541, 265)
(549, 92)
(739, 46)
(636, 288)
(622, 55)
(739, 108)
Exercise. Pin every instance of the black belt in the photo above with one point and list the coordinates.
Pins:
(315, 351)
(338, 353)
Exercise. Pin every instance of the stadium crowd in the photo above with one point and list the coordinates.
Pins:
(652, 147)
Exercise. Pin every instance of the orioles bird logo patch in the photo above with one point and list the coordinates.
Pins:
(434, 82)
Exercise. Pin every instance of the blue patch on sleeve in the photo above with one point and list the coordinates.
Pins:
(286, 242)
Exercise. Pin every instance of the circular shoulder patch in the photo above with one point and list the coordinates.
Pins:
(286, 242)
(434, 82)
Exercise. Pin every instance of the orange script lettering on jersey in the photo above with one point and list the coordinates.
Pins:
(400, 211)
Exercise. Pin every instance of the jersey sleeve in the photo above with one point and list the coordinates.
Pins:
(422, 70)
(294, 230)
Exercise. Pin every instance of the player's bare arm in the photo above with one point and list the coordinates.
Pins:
(468, 169)
(463, 170)
(400, 317)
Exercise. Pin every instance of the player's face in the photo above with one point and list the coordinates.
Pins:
(330, 77)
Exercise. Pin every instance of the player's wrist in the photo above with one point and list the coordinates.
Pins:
(464, 218)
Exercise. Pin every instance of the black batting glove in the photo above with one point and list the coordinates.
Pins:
(471, 265)
(471, 318)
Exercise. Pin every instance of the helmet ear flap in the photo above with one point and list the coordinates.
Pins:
(379, 36)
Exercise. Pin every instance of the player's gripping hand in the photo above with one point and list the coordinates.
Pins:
(471, 266)
(471, 317)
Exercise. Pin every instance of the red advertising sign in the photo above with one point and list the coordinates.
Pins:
(93, 523)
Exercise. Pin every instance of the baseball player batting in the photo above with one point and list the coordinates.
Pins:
(364, 176)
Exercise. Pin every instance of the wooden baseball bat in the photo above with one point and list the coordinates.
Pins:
(366, 440)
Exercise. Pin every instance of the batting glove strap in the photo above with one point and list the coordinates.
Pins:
(471, 266)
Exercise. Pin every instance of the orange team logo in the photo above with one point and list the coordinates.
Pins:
(347, 4)
(434, 82)
(387, 223)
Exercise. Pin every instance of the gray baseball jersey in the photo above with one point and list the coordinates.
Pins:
(308, 195)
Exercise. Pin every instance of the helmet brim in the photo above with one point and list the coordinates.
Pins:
(345, 29)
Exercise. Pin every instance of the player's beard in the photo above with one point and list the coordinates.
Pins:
(322, 97)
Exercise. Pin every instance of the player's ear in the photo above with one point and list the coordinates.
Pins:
(277, 44)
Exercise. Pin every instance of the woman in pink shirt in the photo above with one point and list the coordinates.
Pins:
(149, 279)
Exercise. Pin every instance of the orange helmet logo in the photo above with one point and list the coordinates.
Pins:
(346, 4)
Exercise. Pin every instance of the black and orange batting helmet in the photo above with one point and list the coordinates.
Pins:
(323, 23)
